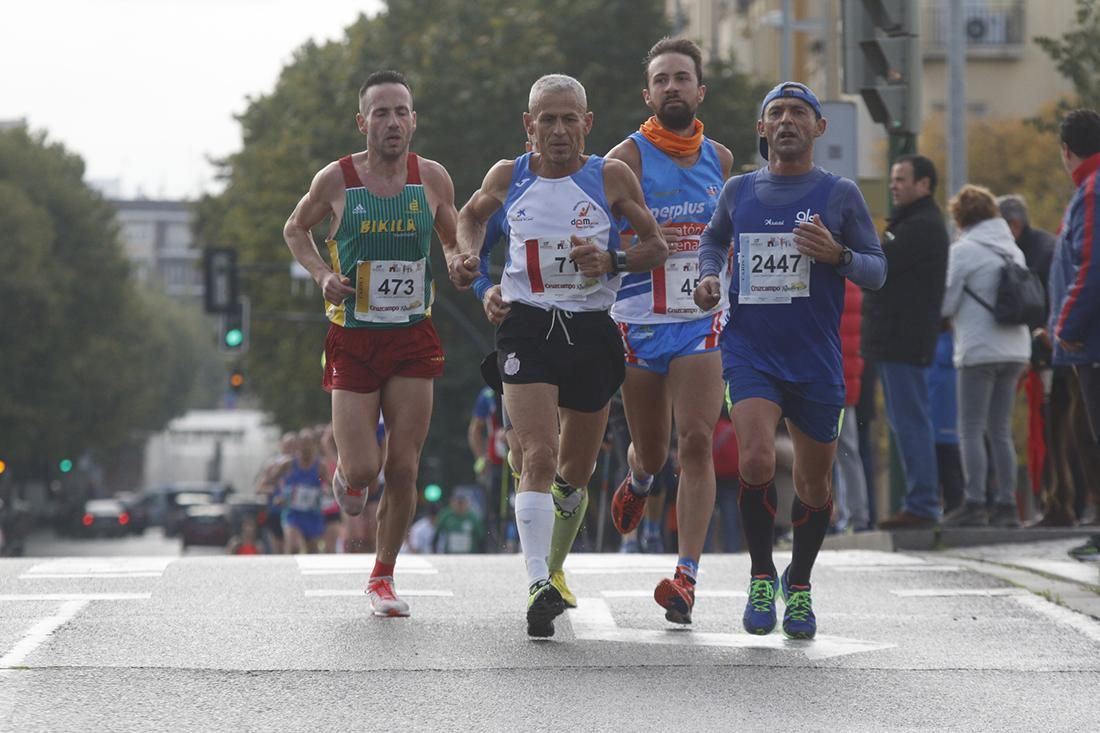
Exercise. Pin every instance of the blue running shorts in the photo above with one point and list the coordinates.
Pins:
(802, 402)
(653, 346)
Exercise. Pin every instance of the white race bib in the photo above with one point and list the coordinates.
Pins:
(771, 269)
(553, 273)
(389, 291)
(304, 498)
(674, 282)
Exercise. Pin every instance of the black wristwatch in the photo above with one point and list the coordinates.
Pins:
(618, 261)
(845, 256)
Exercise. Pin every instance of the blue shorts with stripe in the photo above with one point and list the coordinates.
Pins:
(653, 346)
(814, 408)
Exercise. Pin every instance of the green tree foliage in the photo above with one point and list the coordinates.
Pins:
(470, 66)
(1076, 53)
(1010, 156)
(86, 360)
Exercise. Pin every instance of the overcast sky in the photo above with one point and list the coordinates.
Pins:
(146, 90)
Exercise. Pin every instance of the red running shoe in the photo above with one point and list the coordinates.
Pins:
(627, 508)
(383, 601)
(677, 597)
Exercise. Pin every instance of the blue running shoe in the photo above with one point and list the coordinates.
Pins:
(798, 618)
(759, 615)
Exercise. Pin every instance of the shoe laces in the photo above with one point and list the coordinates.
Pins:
(799, 606)
(762, 594)
(383, 588)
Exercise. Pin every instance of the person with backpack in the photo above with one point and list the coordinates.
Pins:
(990, 357)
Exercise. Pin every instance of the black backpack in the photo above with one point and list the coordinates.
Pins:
(1021, 298)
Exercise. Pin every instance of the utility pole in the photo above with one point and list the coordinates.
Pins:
(956, 98)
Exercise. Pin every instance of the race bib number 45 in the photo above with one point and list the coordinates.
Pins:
(771, 269)
(389, 291)
(552, 271)
(674, 282)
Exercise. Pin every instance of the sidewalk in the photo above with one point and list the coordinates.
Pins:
(1034, 559)
(917, 540)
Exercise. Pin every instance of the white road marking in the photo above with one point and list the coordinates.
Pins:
(1085, 624)
(592, 621)
(72, 576)
(953, 592)
(68, 568)
(76, 597)
(39, 633)
(700, 593)
(410, 593)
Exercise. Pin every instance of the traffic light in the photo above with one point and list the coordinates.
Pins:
(882, 60)
(236, 380)
(219, 268)
(233, 329)
(65, 465)
(3, 467)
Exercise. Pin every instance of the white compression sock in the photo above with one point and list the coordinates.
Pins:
(535, 520)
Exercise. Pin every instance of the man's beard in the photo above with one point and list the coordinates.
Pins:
(676, 117)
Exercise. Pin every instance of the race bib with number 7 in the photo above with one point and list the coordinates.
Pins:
(552, 271)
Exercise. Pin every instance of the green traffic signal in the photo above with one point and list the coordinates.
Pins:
(65, 465)
(234, 337)
(433, 492)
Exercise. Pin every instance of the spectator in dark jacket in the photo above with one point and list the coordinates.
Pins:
(900, 325)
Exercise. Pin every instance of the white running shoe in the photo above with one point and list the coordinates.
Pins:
(383, 601)
(352, 501)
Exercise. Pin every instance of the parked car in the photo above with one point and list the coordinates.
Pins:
(160, 501)
(207, 524)
(173, 523)
(104, 518)
(136, 506)
(254, 507)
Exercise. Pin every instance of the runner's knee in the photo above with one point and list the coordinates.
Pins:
(757, 465)
(695, 447)
(540, 460)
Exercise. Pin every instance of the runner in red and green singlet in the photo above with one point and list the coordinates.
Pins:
(382, 351)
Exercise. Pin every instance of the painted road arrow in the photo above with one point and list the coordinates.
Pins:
(592, 621)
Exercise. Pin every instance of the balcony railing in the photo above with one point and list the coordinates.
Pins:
(992, 28)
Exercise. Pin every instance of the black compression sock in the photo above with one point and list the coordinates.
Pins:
(757, 505)
(810, 524)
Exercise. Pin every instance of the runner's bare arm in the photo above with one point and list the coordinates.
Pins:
(318, 203)
(725, 159)
(627, 152)
(441, 197)
(474, 216)
(624, 193)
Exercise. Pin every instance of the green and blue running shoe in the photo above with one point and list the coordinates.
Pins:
(1088, 552)
(798, 618)
(544, 604)
(759, 615)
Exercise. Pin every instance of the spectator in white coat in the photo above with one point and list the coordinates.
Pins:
(989, 356)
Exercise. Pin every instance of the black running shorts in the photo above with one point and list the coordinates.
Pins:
(581, 353)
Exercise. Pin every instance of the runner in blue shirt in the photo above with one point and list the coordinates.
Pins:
(797, 231)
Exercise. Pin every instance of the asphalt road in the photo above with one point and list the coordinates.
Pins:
(907, 642)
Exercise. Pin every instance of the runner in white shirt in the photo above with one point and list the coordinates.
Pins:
(557, 347)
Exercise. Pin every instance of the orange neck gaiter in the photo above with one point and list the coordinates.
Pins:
(669, 142)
